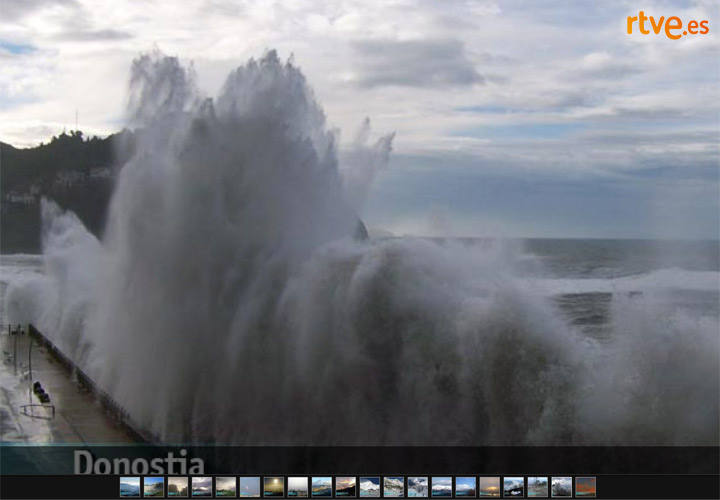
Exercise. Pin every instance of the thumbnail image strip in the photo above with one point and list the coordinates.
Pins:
(561, 487)
(585, 487)
(202, 487)
(489, 487)
(465, 486)
(250, 487)
(537, 487)
(298, 487)
(369, 487)
(226, 487)
(130, 487)
(322, 486)
(273, 486)
(514, 487)
(154, 486)
(417, 487)
(177, 487)
(345, 486)
(441, 487)
(393, 487)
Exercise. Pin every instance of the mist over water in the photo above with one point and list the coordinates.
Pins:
(229, 302)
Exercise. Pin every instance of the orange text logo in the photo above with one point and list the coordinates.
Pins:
(672, 27)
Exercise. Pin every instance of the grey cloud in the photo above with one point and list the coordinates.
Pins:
(567, 98)
(608, 66)
(611, 71)
(495, 59)
(658, 112)
(708, 137)
(222, 7)
(12, 10)
(92, 35)
(75, 24)
(420, 63)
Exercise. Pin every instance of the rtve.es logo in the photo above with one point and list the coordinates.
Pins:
(673, 26)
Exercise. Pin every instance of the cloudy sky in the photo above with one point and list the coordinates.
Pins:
(512, 118)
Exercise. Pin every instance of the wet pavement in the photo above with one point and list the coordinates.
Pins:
(78, 416)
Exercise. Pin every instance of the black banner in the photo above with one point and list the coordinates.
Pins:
(449, 460)
(71, 471)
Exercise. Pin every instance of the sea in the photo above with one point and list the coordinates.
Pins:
(581, 276)
(664, 296)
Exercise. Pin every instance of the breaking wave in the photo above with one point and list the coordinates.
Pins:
(230, 301)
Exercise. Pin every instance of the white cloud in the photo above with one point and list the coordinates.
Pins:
(470, 79)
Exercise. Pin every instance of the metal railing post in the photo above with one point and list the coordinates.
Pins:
(15, 355)
(30, 379)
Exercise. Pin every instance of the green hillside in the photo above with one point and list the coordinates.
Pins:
(76, 172)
